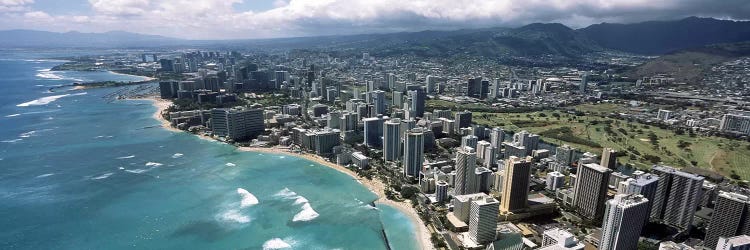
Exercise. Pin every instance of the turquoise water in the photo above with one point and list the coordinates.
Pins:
(80, 172)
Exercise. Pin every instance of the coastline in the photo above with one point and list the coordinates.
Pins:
(376, 186)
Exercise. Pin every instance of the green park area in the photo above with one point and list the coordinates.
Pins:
(587, 128)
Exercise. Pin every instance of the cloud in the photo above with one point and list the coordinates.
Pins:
(218, 19)
(14, 5)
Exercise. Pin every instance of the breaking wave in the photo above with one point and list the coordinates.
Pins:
(104, 176)
(307, 213)
(248, 199)
(276, 243)
(46, 100)
(177, 155)
(234, 215)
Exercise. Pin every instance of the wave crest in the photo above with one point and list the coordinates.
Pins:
(248, 199)
(276, 243)
(307, 213)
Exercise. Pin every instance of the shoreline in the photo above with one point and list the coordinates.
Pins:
(375, 186)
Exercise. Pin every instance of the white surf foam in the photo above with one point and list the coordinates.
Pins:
(154, 164)
(48, 74)
(286, 193)
(300, 200)
(307, 213)
(46, 100)
(276, 243)
(248, 199)
(13, 115)
(136, 171)
(229, 164)
(12, 141)
(234, 216)
(104, 176)
(124, 157)
(177, 155)
(45, 175)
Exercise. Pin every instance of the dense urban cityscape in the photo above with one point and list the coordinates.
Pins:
(478, 180)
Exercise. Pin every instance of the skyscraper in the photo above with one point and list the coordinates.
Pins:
(483, 220)
(645, 185)
(474, 87)
(413, 152)
(441, 191)
(623, 221)
(516, 184)
(591, 190)
(378, 102)
(730, 218)
(392, 140)
(237, 123)
(463, 120)
(469, 141)
(466, 161)
(528, 140)
(555, 180)
(374, 131)
(417, 98)
(677, 197)
(565, 154)
(497, 137)
(609, 158)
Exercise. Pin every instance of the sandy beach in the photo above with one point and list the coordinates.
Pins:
(376, 186)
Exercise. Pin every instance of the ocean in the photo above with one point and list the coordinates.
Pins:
(81, 171)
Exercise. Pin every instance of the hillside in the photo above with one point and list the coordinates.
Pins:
(690, 65)
(661, 37)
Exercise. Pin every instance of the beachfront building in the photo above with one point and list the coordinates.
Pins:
(237, 124)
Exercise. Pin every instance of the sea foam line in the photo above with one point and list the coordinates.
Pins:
(46, 100)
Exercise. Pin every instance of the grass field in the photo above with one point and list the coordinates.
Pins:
(642, 145)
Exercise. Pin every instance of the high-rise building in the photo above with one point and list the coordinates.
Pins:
(555, 180)
(469, 141)
(483, 220)
(741, 242)
(481, 148)
(326, 140)
(677, 196)
(623, 220)
(374, 131)
(730, 218)
(463, 120)
(392, 140)
(590, 190)
(417, 99)
(413, 152)
(378, 102)
(466, 163)
(645, 185)
(474, 87)
(490, 156)
(431, 82)
(558, 239)
(609, 158)
(565, 154)
(513, 149)
(237, 123)
(516, 184)
(527, 140)
(441, 191)
(497, 137)
(737, 123)
(168, 89)
(584, 83)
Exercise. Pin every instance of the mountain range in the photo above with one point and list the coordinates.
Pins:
(649, 38)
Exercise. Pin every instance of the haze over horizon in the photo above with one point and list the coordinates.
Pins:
(238, 19)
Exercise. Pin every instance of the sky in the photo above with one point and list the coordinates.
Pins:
(247, 19)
